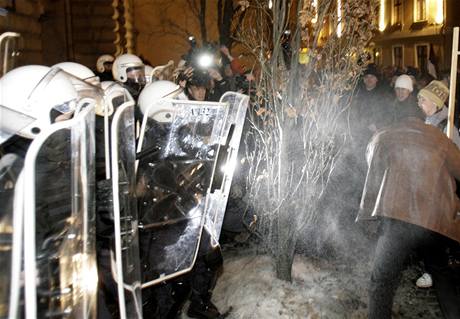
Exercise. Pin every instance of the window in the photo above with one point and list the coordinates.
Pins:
(377, 56)
(381, 16)
(398, 56)
(397, 14)
(422, 57)
(420, 10)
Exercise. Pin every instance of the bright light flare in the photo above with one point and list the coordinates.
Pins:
(229, 168)
(270, 4)
(205, 60)
(86, 276)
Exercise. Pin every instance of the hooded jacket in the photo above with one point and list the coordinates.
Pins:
(439, 119)
(411, 177)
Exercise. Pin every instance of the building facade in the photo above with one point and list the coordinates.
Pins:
(54, 31)
(412, 32)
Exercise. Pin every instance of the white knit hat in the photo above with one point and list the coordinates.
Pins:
(404, 82)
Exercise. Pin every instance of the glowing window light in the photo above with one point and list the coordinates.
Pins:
(382, 15)
(270, 4)
(439, 12)
(339, 18)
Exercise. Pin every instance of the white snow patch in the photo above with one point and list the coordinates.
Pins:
(318, 290)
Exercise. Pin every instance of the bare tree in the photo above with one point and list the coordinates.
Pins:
(230, 13)
(295, 137)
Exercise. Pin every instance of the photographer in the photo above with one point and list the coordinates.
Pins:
(201, 71)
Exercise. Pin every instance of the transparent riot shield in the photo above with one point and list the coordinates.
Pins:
(229, 142)
(127, 270)
(59, 226)
(11, 217)
(9, 50)
(176, 154)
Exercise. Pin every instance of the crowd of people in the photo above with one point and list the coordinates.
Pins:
(398, 125)
(411, 167)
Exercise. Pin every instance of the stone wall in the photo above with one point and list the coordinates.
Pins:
(24, 18)
(54, 31)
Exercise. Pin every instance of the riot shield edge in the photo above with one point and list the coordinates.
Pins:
(116, 211)
(29, 210)
(18, 224)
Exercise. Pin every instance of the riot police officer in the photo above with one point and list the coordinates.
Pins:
(33, 99)
(128, 70)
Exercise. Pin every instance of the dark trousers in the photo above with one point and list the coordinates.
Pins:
(397, 240)
(165, 301)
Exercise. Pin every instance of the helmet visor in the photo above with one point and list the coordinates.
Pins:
(136, 74)
(66, 108)
(11, 122)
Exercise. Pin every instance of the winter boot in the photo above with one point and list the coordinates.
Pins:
(203, 310)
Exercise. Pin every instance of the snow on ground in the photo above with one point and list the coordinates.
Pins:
(320, 289)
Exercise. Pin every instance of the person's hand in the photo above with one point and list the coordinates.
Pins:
(186, 75)
(188, 72)
(215, 74)
(250, 77)
(224, 50)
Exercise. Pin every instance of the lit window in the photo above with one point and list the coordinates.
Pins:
(397, 15)
(420, 10)
(382, 15)
(439, 18)
(377, 56)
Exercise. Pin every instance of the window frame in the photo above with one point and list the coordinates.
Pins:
(416, 11)
(427, 46)
(393, 57)
(377, 55)
(394, 21)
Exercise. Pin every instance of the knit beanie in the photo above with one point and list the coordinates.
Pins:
(437, 92)
(404, 82)
(372, 70)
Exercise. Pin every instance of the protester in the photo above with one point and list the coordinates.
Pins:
(411, 184)
(431, 100)
(405, 103)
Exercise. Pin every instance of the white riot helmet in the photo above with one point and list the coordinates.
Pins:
(31, 98)
(156, 91)
(148, 70)
(128, 66)
(103, 59)
(79, 71)
(115, 95)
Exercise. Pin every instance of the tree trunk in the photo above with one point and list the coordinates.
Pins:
(225, 29)
(286, 238)
(284, 265)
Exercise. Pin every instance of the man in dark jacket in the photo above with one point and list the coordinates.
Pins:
(369, 111)
(410, 182)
